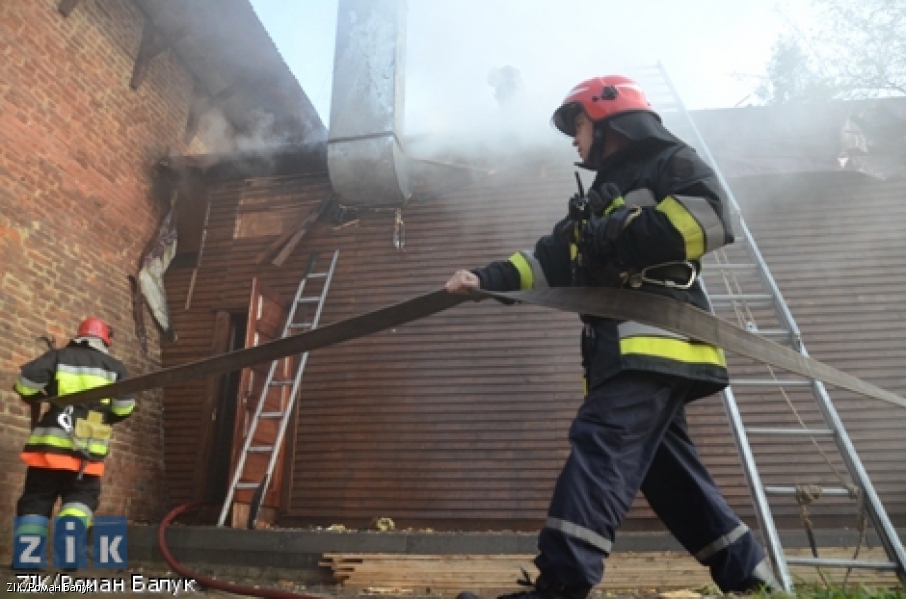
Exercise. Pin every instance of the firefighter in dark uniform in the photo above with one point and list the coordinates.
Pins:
(65, 452)
(654, 209)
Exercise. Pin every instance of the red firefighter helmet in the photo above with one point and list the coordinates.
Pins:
(600, 98)
(96, 328)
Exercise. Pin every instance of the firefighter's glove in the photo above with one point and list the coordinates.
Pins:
(598, 202)
(600, 234)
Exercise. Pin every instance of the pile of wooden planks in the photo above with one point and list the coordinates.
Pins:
(649, 571)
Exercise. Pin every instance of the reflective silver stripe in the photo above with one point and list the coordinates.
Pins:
(50, 431)
(640, 197)
(90, 370)
(707, 218)
(634, 329)
(539, 281)
(31, 384)
(580, 532)
(722, 542)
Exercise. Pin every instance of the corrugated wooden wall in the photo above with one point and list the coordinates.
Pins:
(459, 421)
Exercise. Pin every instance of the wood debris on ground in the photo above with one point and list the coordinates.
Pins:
(672, 575)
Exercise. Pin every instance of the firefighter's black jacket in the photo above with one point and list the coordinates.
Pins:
(668, 211)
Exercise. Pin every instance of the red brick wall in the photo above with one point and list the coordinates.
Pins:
(76, 149)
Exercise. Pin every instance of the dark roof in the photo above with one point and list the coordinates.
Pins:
(867, 136)
(224, 44)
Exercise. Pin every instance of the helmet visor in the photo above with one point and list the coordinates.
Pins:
(564, 118)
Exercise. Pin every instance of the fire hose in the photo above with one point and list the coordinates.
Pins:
(207, 581)
(606, 303)
(620, 304)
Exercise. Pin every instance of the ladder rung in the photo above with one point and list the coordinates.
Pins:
(317, 275)
(752, 298)
(272, 415)
(310, 299)
(841, 563)
(791, 432)
(261, 448)
(300, 325)
(769, 383)
(833, 491)
(281, 383)
(241, 486)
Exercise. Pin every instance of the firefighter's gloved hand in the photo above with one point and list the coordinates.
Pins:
(599, 235)
(591, 240)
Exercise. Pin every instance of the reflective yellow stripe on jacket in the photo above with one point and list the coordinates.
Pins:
(27, 388)
(72, 379)
(696, 221)
(643, 340)
(531, 275)
(57, 438)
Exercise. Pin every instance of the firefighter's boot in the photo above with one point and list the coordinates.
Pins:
(540, 589)
(760, 580)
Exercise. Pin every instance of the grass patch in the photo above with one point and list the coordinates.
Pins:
(820, 591)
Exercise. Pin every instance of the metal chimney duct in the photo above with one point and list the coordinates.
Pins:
(364, 157)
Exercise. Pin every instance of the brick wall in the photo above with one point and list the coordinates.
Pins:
(76, 150)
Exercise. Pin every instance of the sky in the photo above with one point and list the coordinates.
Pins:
(713, 50)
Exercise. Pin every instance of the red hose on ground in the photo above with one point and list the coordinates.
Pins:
(211, 582)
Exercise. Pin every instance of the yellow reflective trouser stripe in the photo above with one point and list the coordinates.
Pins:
(73, 383)
(32, 529)
(688, 227)
(60, 442)
(123, 407)
(690, 352)
(31, 524)
(76, 510)
(526, 277)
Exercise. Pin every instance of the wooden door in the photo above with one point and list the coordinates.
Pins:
(266, 318)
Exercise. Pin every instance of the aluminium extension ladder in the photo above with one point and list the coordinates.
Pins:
(240, 479)
(750, 296)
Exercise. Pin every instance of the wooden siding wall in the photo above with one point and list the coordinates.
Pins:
(460, 421)
(223, 283)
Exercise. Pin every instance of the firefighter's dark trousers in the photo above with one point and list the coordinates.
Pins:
(631, 434)
(80, 496)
